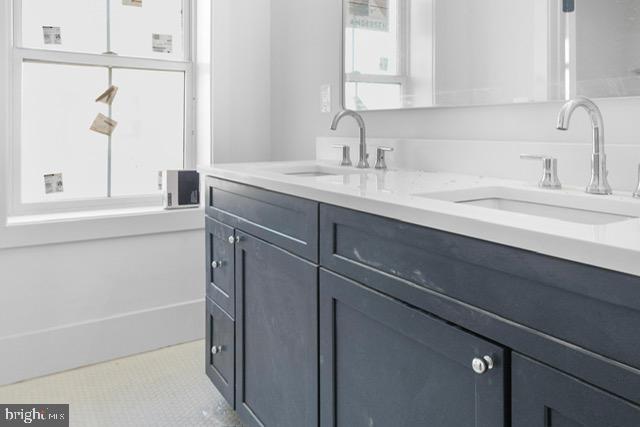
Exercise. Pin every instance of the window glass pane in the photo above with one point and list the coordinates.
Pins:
(372, 96)
(371, 38)
(57, 110)
(82, 24)
(149, 109)
(133, 29)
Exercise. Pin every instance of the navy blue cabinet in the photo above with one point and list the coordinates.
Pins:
(220, 265)
(277, 346)
(320, 315)
(545, 397)
(220, 350)
(386, 364)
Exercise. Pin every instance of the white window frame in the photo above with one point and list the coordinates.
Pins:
(19, 54)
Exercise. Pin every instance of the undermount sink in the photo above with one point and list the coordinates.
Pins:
(310, 171)
(576, 208)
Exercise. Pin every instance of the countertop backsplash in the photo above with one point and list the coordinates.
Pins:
(498, 159)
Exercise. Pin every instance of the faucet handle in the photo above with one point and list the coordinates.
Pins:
(346, 154)
(549, 170)
(381, 162)
(636, 193)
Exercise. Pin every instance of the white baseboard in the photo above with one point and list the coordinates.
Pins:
(67, 347)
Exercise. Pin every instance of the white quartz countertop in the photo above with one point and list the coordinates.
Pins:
(405, 195)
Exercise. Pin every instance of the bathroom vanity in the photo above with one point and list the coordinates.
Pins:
(342, 297)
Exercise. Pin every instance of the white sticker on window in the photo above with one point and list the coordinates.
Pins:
(136, 3)
(52, 35)
(108, 95)
(162, 43)
(103, 124)
(53, 183)
(384, 64)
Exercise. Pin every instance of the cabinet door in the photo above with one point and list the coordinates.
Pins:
(220, 265)
(383, 363)
(277, 338)
(545, 397)
(219, 351)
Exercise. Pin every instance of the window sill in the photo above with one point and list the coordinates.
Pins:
(38, 230)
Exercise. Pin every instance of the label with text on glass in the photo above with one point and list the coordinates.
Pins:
(103, 124)
(136, 3)
(162, 43)
(372, 15)
(52, 35)
(53, 183)
(44, 415)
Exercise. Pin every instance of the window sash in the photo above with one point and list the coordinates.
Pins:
(20, 55)
(402, 56)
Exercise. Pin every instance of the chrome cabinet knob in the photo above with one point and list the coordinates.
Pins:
(216, 349)
(346, 154)
(482, 365)
(549, 177)
(381, 162)
(216, 264)
(234, 239)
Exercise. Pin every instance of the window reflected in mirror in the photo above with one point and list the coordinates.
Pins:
(429, 53)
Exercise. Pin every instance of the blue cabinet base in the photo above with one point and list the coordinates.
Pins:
(330, 319)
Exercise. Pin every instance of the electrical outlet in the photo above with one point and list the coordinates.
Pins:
(325, 98)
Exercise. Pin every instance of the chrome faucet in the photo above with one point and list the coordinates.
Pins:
(599, 183)
(363, 163)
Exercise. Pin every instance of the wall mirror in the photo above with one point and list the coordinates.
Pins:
(437, 53)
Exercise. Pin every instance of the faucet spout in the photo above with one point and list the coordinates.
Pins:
(363, 162)
(599, 174)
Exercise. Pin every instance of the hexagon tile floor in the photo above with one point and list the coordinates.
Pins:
(167, 387)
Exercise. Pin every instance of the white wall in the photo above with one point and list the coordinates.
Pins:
(606, 34)
(68, 305)
(305, 46)
(241, 80)
(475, 64)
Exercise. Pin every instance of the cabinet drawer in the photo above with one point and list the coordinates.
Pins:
(220, 264)
(385, 363)
(544, 397)
(565, 300)
(286, 221)
(220, 351)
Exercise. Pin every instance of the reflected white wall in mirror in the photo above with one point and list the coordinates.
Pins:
(429, 53)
